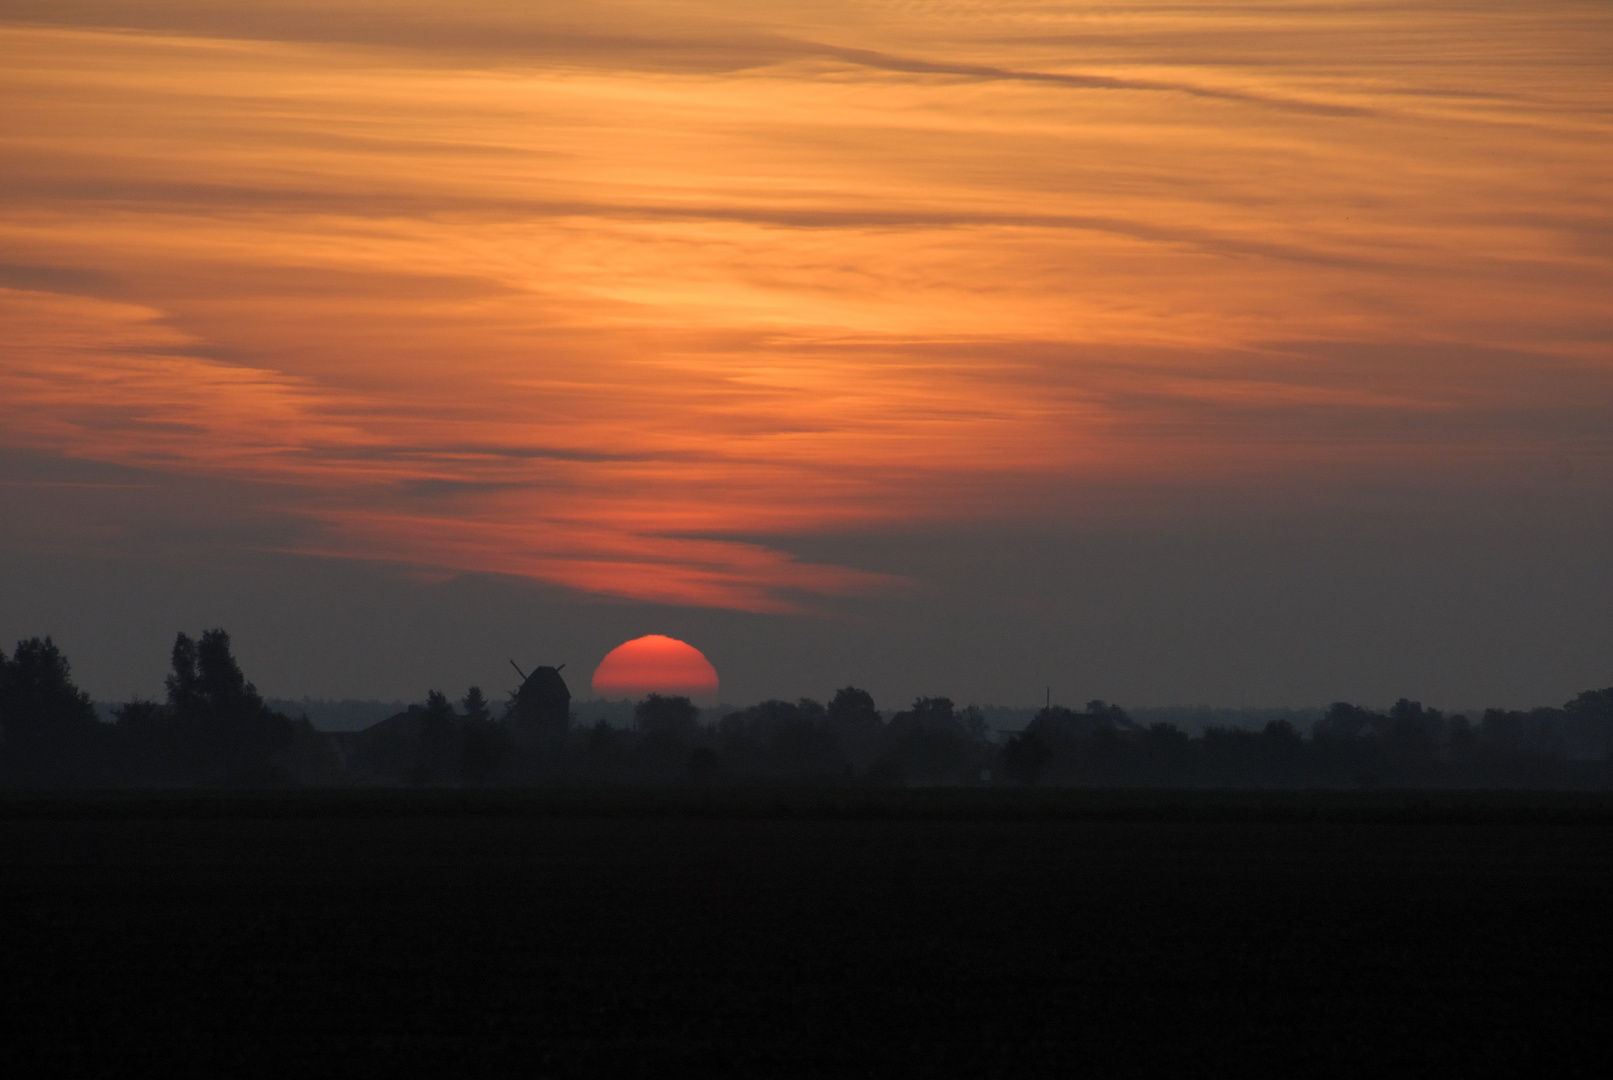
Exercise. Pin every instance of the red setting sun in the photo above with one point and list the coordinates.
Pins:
(656, 664)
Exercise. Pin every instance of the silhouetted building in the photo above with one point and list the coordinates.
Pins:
(541, 708)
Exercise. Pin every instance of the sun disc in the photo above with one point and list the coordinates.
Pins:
(656, 664)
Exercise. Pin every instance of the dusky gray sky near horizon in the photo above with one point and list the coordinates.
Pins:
(1495, 597)
(1163, 352)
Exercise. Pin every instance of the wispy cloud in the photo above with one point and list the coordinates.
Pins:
(601, 299)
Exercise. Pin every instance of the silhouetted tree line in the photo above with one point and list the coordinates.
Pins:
(1408, 746)
(214, 729)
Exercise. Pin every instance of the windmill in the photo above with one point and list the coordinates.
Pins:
(542, 703)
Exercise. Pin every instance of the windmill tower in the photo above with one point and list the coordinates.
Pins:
(541, 707)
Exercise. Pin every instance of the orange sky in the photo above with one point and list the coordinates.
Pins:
(623, 297)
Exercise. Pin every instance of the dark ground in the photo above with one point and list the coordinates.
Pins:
(758, 935)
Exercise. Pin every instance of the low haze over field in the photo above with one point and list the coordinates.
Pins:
(1250, 355)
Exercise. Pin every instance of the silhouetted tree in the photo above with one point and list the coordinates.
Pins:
(49, 733)
(782, 740)
(1344, 721)
(1594, 705)
(475, 706)
(1024, 757)
(485, 746)
(856, 725)
(602, 752)
(851, 709)
(667, 728)
(207, 683)
(1167, 755)
(933, 742)
(438, 754)
(1112, 716)
(1085, 746)
(806, 748)
(1589, 725)
(666, 718)
(217, 728)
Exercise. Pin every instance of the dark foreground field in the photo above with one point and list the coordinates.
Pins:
(730, 934)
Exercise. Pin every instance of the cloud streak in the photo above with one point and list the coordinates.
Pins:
(503, 292)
